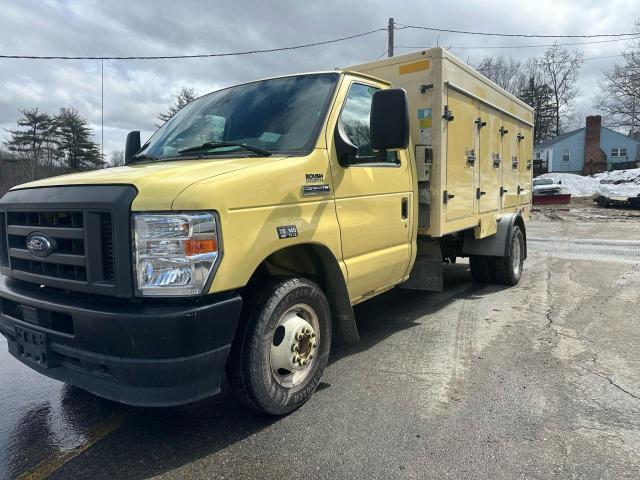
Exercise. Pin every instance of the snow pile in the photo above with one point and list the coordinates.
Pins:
(624, 183)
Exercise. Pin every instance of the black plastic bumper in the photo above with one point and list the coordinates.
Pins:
(156, 353)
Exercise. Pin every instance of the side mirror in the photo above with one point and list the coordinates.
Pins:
(132, 145)
(389, 122)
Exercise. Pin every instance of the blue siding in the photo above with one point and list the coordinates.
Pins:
(574, 143)
(610, 139)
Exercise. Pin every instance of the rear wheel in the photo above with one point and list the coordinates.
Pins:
(282, 348)
(508, 270)
(480, 266)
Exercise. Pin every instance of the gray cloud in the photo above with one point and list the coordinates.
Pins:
(135, 91)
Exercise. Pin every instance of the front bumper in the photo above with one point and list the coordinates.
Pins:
(151, 353)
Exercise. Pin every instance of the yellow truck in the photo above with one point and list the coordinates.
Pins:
(240, 235)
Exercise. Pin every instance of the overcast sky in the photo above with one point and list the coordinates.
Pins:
(135, 91)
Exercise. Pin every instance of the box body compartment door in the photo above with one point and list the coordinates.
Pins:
(525, 166)
(490, 160)
(510, 162)
(462, 153)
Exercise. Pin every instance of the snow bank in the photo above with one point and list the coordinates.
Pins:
(625, 183)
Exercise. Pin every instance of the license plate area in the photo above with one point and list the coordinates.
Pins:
(32, 347)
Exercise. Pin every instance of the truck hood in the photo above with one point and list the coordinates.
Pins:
(158, 183)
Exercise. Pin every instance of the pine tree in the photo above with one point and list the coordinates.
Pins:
(77, 149)
(183, 97)
(540, 98)
(34, 143)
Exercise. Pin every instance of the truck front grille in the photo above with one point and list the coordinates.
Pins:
(4, 252)
(65, 228)
(106, 235)
(83, 255)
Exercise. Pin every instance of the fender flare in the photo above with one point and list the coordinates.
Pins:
(499, 244)
(333, 283)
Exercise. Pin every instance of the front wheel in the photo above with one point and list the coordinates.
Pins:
(282, 347)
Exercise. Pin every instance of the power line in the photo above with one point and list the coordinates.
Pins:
(537, 60)
(402, 26)
(386, 47)
(465, 47)
(204, 55)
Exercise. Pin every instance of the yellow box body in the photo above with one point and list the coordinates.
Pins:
(489, 126)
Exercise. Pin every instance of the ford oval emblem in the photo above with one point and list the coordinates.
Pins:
(40, 245)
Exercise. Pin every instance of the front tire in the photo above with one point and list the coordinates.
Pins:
(282, 347)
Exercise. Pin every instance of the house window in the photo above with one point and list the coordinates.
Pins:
(565, 156)
(618, 152)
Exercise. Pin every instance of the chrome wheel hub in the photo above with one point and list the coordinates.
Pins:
(515, 257)
(294, 345)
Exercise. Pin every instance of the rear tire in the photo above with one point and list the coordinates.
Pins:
(282, 346)
(508, 270)
(480, 266)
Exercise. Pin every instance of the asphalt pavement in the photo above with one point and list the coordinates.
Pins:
(541, 380)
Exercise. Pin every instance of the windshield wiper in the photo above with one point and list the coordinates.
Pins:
(212, 145)
(142, 156)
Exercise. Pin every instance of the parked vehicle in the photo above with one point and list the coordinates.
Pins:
(617, 201)
(546, 192)
(240, 235)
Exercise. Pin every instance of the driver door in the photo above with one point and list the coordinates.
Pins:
(374, 201)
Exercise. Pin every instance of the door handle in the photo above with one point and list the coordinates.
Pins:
(446, 196)
(520, 189)
(479, 193)
(404, 208)
(503, 191)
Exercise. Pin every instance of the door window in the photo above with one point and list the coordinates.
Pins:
(355, 117)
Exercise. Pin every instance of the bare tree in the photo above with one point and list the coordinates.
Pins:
(507, 72)
(529, 82)
(183, 97)
(117, 158)
(561, 70)
(360, 135)
(619, 99)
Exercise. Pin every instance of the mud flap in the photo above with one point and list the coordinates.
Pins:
(426, 275)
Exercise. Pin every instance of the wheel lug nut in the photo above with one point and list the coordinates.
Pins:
(295, 347)
(299, 336)
(313, 334)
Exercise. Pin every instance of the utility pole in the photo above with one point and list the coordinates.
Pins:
(102, 108)
(390, 29)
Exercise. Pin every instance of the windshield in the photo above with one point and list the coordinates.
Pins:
(542, 181)
(281, 115)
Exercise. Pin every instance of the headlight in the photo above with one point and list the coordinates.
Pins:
(174, 253)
